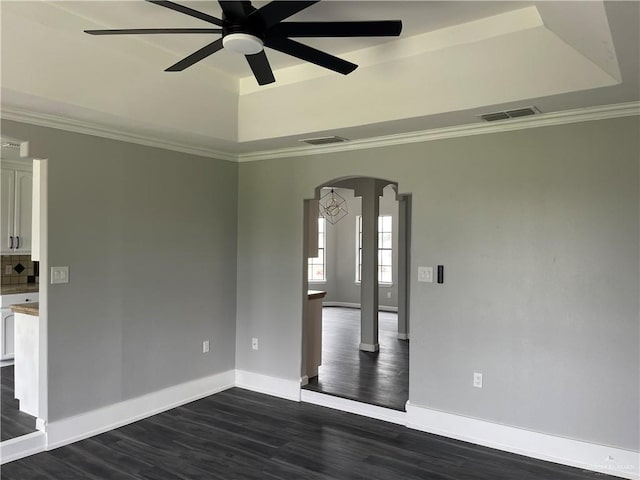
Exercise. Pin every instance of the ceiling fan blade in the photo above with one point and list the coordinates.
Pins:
(382, 28)
(260, 67)
(236, 10)
(187, 11)
(310, 54)
(274, 12)
(147, 31)
(195, 57)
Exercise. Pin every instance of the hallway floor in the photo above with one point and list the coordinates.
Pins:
(380, 378)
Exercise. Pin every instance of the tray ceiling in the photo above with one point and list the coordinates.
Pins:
(453, 61)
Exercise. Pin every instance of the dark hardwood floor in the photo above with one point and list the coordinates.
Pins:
(380, 378)
(244, 435)
(13, 422)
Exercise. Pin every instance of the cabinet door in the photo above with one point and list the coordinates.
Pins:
(24, 188)
(6, 338)
(7, 208)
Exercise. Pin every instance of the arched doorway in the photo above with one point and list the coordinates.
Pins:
(356, 346)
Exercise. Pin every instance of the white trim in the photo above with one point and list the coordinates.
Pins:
(369, 347)
(41, 425)
(351, 406)
(381, 308)
(602, 112)
(71, 429)
(20, 447)
(403, 336)
(575, 453)
(87, 128)
(276, 387)
(534, 121)
(304, 380)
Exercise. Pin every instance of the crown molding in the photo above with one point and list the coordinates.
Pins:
(88, 128)
(543, 120)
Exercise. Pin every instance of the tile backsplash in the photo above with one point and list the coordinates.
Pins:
(20, 268)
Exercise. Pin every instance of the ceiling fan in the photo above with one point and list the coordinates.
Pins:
(247, 30)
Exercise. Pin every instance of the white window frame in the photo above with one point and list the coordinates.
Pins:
(358, 267)
(322, 240)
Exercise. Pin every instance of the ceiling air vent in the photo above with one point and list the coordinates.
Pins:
(519, 112)
(15, 146)
(323, 140)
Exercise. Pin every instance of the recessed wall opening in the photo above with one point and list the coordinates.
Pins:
(23, 330)
(355, 321)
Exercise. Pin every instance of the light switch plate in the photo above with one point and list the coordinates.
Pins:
(59, 275)
(425, 274)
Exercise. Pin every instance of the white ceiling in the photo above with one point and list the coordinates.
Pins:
(453, 61)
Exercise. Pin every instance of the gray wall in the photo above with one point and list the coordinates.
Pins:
(539, 233)
(150, 239)
(341, 252)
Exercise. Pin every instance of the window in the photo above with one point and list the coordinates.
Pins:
(317, 266)
(385, 249)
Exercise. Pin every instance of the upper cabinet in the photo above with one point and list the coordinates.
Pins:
(16, 196)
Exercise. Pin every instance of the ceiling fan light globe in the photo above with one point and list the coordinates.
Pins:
(243, 43)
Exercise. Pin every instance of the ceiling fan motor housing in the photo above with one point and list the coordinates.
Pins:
(242, 36)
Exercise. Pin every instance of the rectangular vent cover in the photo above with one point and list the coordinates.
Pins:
(323, 140)
(519, 112)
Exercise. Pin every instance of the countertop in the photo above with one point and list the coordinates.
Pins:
(32, 308)
(19, 288)
(314, 294)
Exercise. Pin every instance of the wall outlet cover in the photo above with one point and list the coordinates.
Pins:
(477, 380)
(254, 343)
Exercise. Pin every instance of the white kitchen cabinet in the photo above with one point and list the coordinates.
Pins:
(16, 197)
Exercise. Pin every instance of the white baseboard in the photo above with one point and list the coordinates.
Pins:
(20, 447)
(598, 458)
(589, 456)
(84, 425)
(276, 387)
(369, 347)
(345, 405)
(381, 308)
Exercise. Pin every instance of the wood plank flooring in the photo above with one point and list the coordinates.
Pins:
(245, 435)
(13, 422)
(380, 378)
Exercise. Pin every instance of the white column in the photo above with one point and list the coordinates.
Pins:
(369, 274)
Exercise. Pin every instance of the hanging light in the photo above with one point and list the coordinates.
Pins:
(333, 207)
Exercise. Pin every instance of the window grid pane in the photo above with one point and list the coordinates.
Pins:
(385, 249)
(316, 270)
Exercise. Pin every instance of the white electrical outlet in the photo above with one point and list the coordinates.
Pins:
(8, 270)
(477, 380)
(425, 274)
(254, 343)
(205, 346)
